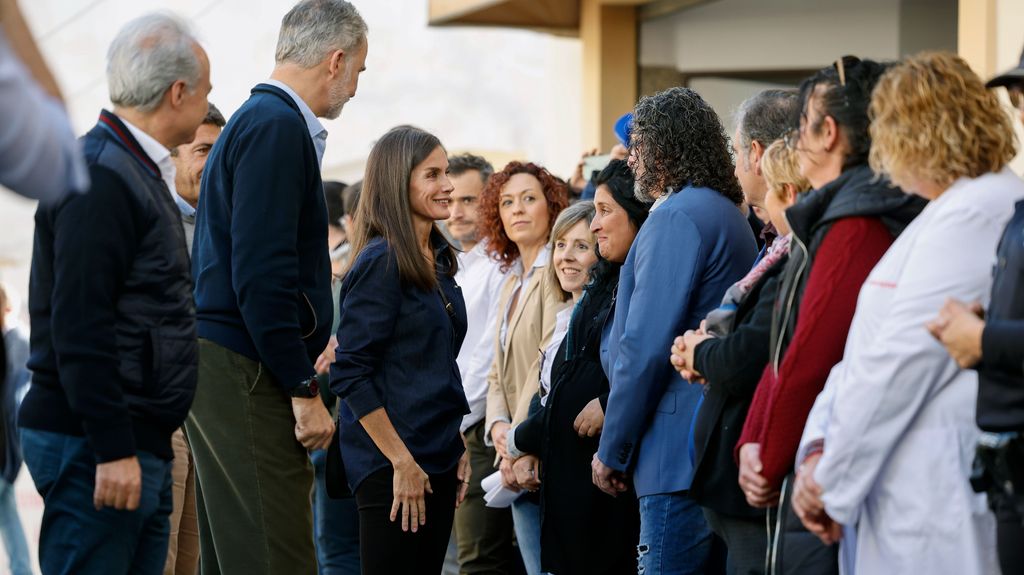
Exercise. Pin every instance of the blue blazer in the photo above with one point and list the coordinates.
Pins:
(691, 249)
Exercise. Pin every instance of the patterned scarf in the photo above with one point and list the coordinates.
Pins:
(720, 321)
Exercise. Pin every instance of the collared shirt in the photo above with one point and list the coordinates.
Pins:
(316, 130)
(524, 279)
(184, 207)
(481, 279)
(157, 152)
(661, 199)
(548, 355)
(39, 155)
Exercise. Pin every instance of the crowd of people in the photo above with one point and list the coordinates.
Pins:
(793, 350)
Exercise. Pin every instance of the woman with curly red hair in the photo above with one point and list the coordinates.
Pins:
(517, 209)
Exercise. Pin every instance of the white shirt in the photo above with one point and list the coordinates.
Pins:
(481, 279)
(549, 353)
(316, 130)
(157, 152)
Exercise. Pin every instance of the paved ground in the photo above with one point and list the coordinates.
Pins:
(30, 507)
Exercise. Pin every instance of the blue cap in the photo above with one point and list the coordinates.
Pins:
(624, 128)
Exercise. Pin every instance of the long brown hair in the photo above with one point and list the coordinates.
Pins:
(383, 210)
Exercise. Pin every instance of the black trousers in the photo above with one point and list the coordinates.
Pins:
(384, 548)
(1009, 535)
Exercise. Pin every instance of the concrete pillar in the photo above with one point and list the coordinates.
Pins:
(609, 38)
(977, 35)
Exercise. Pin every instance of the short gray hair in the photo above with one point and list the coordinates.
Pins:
(147, 56)
(766, 116)
(314, 28)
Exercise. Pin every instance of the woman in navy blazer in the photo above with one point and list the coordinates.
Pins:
(403, 320)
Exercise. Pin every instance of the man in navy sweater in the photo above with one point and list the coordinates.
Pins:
(113, 346)
(263, 301)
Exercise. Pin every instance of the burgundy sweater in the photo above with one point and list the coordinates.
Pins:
(782, 402)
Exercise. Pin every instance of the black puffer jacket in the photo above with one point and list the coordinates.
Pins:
(113, 347)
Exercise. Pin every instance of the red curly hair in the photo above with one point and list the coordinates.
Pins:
(489, 226)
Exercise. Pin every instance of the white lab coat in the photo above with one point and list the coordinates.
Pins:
(897, 414)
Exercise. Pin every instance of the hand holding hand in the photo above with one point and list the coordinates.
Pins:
(499, 435)
(527, 470)
(508, 475)
(607, 479)
(758, 491)
(959, 328)
(808, 505)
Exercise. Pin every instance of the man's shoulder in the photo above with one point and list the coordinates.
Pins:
(266, 107)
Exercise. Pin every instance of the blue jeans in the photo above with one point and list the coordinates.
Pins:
(12, 532)
(335, 525)
(526, 520)
(76, 538)
(674, 537)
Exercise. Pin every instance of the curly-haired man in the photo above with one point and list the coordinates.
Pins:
(694, 245)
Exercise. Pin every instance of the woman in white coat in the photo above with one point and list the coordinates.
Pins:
(886, 453)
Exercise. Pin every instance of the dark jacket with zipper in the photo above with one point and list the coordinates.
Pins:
(259, 257)
(583, 531)
(856, 192)
(1001, 373)
(732, 367)
(113, 345)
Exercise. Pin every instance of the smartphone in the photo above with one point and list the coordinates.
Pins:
(593, 164)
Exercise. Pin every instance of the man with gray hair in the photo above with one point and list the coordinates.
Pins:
(760, 120)
(113, 325)
(263, 301)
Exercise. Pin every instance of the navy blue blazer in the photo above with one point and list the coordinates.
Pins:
(689, 251)
(396, 349)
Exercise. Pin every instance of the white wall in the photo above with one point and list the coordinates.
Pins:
(512, 92)
(752, 34)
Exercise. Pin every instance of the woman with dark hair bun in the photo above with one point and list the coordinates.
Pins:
(517, 210)
(402, 321)
(584, 531)
(840, 231)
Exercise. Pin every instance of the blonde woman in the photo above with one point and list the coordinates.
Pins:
(888, 446)
(729, 354)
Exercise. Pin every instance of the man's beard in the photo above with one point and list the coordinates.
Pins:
(337, 97)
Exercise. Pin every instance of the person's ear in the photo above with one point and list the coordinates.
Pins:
(830, 132)
(336, 63)
(790, 193)
(176, 93)
(755, 154)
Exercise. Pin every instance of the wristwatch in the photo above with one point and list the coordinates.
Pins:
(307, 389)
